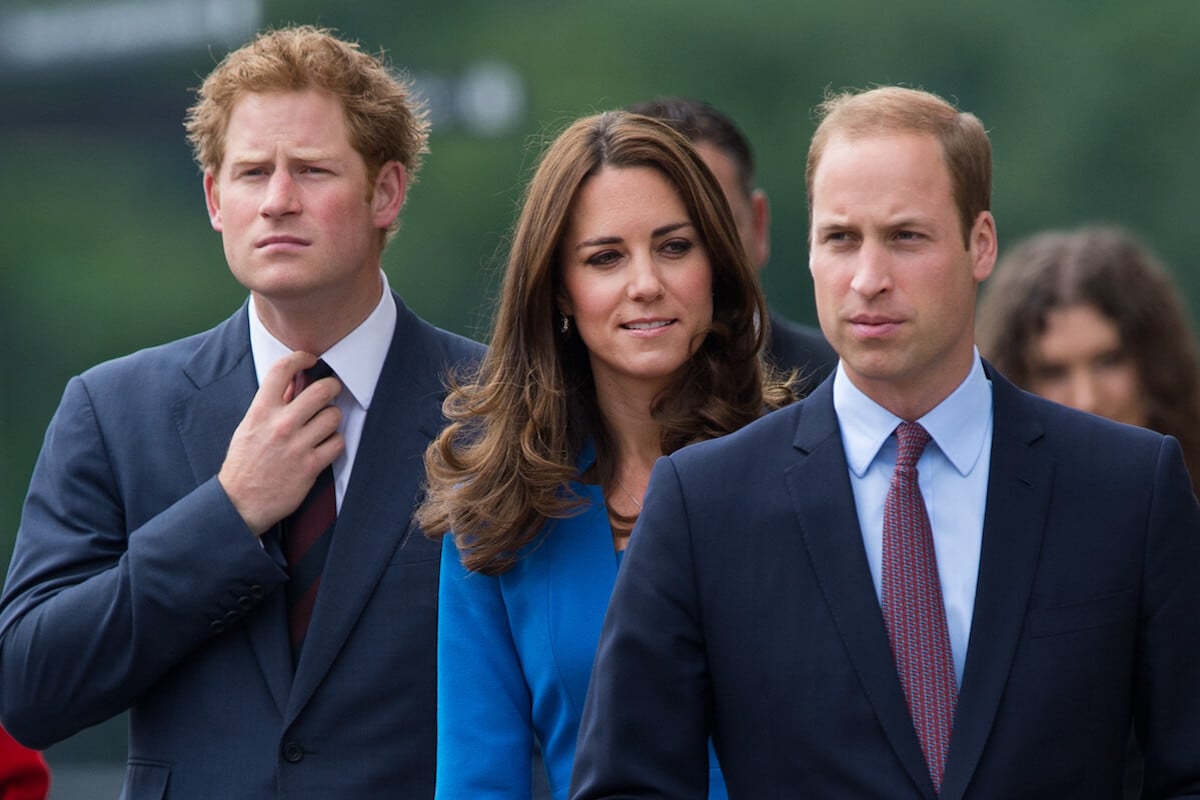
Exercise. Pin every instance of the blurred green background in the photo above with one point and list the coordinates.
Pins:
(1092, 107)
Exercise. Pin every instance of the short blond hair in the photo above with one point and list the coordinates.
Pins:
(897, 109)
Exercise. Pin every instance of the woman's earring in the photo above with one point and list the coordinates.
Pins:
(564, 323)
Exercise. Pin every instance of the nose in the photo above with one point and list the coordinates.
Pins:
(872, 272)
(645, 282)
(281, 197)
(1083, 393)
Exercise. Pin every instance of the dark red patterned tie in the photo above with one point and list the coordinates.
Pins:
(306, 536)
(912, 605)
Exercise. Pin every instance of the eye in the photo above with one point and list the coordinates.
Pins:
(836, 238)
(603, 258)
(1110, 359)
(676, 247)
(1049, 373)
(908, 236)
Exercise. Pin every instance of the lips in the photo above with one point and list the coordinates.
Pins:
(870, 325)
(647, 325)
(281, 241)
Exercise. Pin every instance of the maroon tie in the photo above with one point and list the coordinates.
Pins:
(912, 605)
(306, 536)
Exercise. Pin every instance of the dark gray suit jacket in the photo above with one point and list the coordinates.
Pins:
(136, 585)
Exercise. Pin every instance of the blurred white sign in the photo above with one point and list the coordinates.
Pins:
(101, 31)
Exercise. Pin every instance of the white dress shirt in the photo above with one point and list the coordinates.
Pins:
(357, 360)
(953, 473)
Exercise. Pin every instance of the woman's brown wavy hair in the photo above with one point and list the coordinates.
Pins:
(503, 464)
(1108, 269)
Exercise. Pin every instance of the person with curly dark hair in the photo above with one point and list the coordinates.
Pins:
(1091, 319)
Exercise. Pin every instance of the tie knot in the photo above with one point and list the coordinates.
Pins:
(911, 439)
(312, 375)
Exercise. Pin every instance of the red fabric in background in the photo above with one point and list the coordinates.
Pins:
(23, 772)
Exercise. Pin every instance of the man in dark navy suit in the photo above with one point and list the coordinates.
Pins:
(919, 581)
(726, 151)
(150, 571)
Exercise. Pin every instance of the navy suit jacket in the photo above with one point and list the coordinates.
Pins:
(136, 585)
(745, 607)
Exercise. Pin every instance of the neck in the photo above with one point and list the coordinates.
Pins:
(315, 325)
(633, 432)
(911, 398)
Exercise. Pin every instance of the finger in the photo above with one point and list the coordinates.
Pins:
(320, 455)
(323, 424)
(310, 402)
(325, 390)
(278, 380)
(328, 450)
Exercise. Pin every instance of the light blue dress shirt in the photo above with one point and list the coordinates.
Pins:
(953, 473)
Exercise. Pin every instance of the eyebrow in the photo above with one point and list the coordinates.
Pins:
(654, 234)
(899, 223)
(307, 156)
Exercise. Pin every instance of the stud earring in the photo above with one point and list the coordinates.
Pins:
(564, 324)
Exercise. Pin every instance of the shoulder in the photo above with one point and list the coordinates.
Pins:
(219, 350)
(1084, 444)
(441, 346)
(761, 444)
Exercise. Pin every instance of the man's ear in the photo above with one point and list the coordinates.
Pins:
(760, 206)
(983, 246)
(387, 198)
(212, 199)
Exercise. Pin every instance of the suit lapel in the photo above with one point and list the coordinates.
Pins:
(579, 569)
(377, 510)
(222, 370)
(1018, 497)
(824, 504)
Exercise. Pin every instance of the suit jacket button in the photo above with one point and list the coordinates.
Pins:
(217, 625)
(293, 752)
(244, 604)
(256, 591)
(231, 617)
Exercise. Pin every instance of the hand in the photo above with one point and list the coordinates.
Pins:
(282, 444)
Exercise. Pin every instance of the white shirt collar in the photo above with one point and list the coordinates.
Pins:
(958, 424)
(357, 359)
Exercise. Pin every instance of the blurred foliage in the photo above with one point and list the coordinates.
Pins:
(107, 247)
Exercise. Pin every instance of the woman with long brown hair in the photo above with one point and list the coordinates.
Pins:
(627, 327)
(1090, 319)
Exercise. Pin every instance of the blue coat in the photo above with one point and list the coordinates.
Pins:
(136, 585)
(515, 654)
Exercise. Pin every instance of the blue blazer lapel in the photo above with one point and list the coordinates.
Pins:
(222, 371)
(580, 568)
(1019, 487)
(377, 510)
(824, 503)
